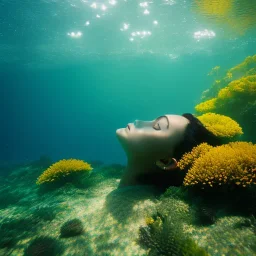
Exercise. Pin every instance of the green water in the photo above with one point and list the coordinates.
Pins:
(74, 71)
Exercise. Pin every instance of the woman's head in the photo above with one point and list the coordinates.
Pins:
(154, 147)
(165, 136)
(153, 139)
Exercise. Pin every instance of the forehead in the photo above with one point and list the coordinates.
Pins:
(177, 120)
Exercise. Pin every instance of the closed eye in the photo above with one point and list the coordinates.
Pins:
(156, 126)
(161, 122)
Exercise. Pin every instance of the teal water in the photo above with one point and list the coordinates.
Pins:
(74, 71)
(65, 96)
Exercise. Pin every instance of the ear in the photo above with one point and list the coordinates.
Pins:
(167, 163)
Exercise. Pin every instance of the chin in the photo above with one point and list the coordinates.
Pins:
(121, 133)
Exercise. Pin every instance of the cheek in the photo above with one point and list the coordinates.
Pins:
(148, 144)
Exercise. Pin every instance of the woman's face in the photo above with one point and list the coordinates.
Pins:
(154, 139)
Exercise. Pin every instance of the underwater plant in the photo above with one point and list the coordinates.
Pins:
(234, 96)
(62, 169)
(162, 236)
(248, 66)
(189, 158)
(220, 125)
(71, 228)
(42, 246)
(240, 90)
(206, 106)
(232, 164)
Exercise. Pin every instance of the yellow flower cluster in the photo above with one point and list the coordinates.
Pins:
(229, 75)
(206, 106)
(62, 169)
(247, 63)
(237, 89)
(243, 85)
(220, 125)
(189, 158)
(149, 220)
(229, 164)
(214, 71)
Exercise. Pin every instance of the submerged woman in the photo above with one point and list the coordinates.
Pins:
(154, 147)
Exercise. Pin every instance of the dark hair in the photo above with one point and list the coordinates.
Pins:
(195, 134)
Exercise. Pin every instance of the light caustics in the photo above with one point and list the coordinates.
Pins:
(77, 34)
(143, 33)
(101, 9)
(139, 34)
(208, 34)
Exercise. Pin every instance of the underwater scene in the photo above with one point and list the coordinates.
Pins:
(128, 128)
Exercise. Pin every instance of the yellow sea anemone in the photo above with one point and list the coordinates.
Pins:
(62, 169)
(206, 106)
(149, 220)
(189, 158)
(220, 125)
(245, 85)
(248, 63)
(229, 164)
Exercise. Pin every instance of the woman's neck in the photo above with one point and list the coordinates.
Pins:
(136, 167)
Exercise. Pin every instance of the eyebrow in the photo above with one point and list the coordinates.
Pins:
(166, 119)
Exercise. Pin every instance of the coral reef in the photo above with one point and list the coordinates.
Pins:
(240, 90)
(71, 228)
(62, 169)
(206, 106)
(230, 164)
(234, 96)
(189, 158)
(220, 125)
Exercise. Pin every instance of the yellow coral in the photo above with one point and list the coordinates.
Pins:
(249, 61)
(206, 106)
(62, 169)
(214, 71)
(189, 158)
(236, 90)
(229, 164)
(220, 125)
(229, 75)
(149, 220)
(243, 85)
